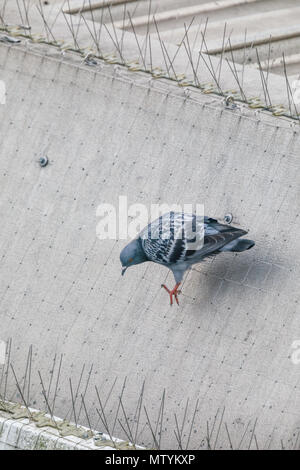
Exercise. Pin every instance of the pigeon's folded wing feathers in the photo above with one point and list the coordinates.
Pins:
(171, 238)
(213, 243)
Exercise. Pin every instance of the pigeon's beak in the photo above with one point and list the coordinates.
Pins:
(124, 270)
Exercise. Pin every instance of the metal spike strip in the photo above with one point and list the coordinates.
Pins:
(219, 425)
(25, 30)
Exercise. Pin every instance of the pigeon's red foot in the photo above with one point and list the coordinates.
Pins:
(172, 292)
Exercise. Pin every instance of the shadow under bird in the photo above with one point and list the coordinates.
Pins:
(177, 241)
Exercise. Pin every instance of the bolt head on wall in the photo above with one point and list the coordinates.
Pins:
(228, 218)
(43, 161)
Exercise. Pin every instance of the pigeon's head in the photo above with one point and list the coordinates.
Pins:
(132, 254)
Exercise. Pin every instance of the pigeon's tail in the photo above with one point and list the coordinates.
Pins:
(238, 245)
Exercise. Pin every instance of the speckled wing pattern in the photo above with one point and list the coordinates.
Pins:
(171, 239)
(166, 240)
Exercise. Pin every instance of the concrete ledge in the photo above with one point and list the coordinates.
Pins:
(27, 434)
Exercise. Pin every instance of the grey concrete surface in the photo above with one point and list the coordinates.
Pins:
(107, 132)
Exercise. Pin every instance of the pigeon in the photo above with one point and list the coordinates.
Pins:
(178, 240)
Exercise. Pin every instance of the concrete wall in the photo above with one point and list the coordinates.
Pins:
(108, 133)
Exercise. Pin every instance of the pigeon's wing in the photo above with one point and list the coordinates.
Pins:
(176, 237)
(216, 236)
(168, 238)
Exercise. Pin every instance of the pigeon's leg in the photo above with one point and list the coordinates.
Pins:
(172, 292)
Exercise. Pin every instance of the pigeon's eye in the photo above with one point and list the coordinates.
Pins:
(130, 260)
